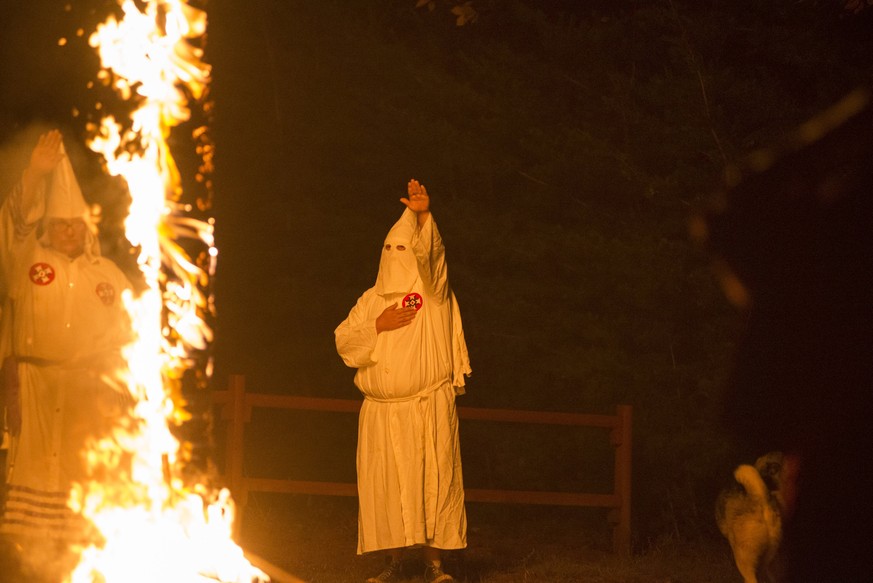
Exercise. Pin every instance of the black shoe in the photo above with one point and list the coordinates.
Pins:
(391, 574)
(435, 574)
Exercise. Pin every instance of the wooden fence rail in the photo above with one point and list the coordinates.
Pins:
(237, 407)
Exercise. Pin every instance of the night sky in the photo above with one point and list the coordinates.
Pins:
(563, 144)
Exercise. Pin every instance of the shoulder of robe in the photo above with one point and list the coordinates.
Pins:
(107, 264)
(367, 294)
(364, 300)
(111, 269)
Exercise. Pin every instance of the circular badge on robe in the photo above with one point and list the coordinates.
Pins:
(413, 300)
(106, 293)
(42, 273)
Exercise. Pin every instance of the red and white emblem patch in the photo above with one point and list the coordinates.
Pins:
(413, 300)
(42, 273)
(106, 293)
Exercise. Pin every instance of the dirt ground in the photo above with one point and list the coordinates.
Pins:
(313, 538)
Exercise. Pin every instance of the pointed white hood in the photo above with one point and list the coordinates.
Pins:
(398, 269)
(64, 200)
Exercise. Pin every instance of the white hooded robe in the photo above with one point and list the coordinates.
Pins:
(410, 485)
(64, 323)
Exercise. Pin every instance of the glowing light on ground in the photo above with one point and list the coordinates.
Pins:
(155, 526)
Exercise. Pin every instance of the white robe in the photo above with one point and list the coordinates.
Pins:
(64, 320)
(410, 485)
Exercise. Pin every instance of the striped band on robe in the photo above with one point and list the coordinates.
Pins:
(32, 512)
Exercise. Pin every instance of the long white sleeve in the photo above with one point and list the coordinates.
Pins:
(356, 336)
(21, 212)
(430, 254)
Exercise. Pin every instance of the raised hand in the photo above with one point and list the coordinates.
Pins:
(46, 154)
(393, 318)
(418, 200)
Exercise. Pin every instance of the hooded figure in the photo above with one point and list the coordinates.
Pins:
(397, 267)
(62, 332)
(64, 201)
(405, 338)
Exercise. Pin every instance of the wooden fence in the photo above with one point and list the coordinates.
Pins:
(237, 407)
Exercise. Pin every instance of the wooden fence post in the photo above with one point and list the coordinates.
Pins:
(621, 516)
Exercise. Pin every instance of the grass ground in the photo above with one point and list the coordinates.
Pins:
(314, 537)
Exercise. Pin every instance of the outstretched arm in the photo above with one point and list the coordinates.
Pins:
(427, 243)
(43, 160)
(24, 207)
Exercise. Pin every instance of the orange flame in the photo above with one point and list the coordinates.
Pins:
(155, 528)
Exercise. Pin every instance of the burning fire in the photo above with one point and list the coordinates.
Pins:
(155, 526)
